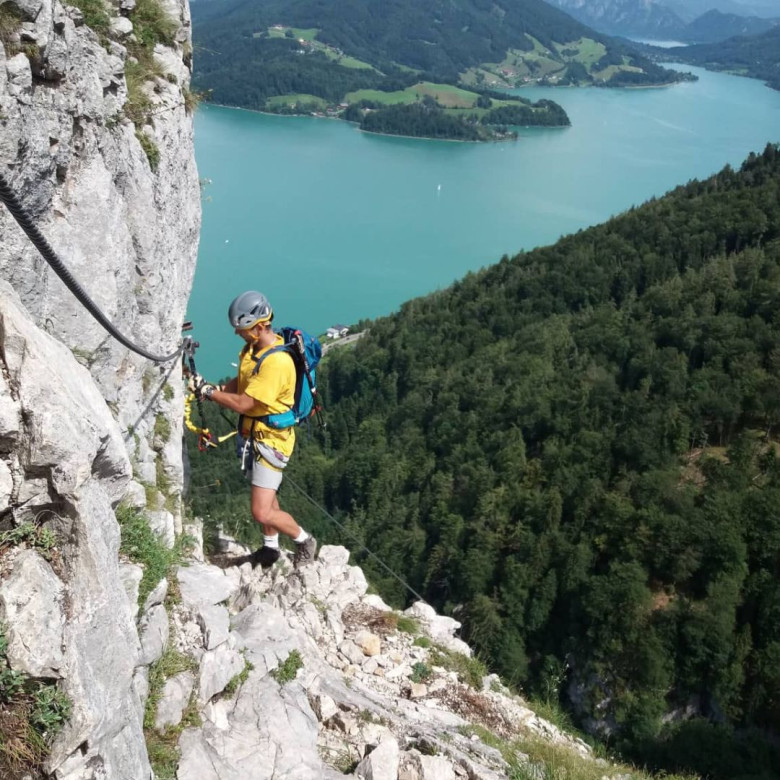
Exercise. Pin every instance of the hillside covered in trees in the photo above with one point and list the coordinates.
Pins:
(250, 53)
(757, 56)
(575, 451)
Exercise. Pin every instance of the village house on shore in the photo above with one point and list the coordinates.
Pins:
(337, 331)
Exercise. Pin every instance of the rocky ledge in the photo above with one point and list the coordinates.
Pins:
(303, 674)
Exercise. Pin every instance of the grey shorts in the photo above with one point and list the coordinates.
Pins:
(263, 476)
(267, 465)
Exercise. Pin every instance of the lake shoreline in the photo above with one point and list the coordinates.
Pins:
(334, 226)
(394, 135)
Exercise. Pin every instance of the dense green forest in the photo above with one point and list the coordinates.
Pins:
(575, 452)
(429, 120)
(422, 121)
(330, 49)
(757, 56)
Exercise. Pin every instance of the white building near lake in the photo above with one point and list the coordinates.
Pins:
(337, 331)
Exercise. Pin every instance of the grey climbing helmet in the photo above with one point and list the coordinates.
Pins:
(248, 309)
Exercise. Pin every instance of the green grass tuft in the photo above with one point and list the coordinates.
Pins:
(141, 545)
(469, 670)
(152, 25)
(162, 428)
(407, 625)
(163, 747)
(238, 680)
(420, 672)
(151, 150)
(34, 536)
(96, 16)
(287, 671)
(32, 712)
(10, 24)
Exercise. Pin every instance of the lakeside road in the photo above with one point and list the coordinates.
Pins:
(342, 342)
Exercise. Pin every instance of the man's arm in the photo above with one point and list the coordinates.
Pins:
(242, 403)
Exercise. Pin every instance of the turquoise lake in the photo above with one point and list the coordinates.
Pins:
(335, 225)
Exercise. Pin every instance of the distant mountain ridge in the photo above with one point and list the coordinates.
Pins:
(688, 10)
(716, 26)
(757, 56)
(656, 20)
(625, 17)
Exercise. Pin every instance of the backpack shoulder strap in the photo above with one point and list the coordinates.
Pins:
(259, 360)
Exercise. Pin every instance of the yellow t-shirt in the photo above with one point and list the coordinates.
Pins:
(273, 389)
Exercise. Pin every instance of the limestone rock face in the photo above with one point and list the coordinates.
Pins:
(128, 234)
(31, 602)
(80, 415)
(70, 448)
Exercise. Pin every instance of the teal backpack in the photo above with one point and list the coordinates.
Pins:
(306, 352)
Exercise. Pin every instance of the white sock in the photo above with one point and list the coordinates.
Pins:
(301, 538)
(271, 541)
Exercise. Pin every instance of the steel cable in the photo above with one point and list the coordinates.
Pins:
(344, 530)
(13, 205)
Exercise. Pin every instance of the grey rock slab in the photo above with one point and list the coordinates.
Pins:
(135, 495)
(141, 686)
(121, 26)
(323, 705)
(34, 492)
(10, 416)
(215, 624)
(381, 763)
(6, 485)
(440, 627)
(101, 648)
(19, 77)
(194, 532)
(217, 668)
(436, 768)
(263, 632)
(56, 62)
(373, 600)
(271, 734)
(31, 605)
(162, 523)
(333, 556)
(158, 594)
(69, 433)
(131, 575)
(202, 584)
(29, 8)
(351, 652)
(155, 632)
(174, 699)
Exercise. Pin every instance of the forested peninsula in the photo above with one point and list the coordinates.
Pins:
(307, 57)
(575, 452)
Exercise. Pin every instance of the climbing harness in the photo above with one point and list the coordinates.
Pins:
(25, 222)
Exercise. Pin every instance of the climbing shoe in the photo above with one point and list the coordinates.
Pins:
(265, 557)
(304, 552)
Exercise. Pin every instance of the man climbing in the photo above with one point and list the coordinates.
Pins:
(257, 391)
